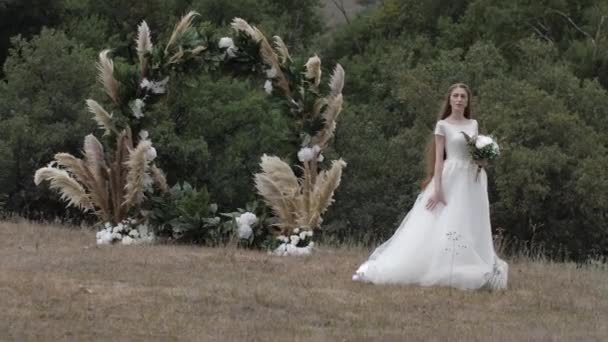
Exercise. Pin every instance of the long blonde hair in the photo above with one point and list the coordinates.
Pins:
(446, 110)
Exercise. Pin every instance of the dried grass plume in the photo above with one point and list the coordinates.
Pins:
(105, 66)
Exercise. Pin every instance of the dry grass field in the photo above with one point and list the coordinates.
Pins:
(55, 284)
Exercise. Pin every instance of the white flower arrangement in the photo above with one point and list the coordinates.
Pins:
(299, 243)
(482, 149)
(137, 108)
(154, 86)
(244, 223)
(127, 232)
(308, 153)
(225, 43)
(151, 154)
(228, 44)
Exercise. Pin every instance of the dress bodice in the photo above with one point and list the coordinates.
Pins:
(455, 143)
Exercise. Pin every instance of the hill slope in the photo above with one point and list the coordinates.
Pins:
(56, 284)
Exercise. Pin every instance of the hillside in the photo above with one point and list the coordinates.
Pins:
(56, 284)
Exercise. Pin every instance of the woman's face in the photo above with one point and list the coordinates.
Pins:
(459, 99)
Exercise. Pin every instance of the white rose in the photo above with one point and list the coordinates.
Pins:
(320, 159)
(297, 230)
(134, 233)
(247, 218)
(145, 83)
(283, 238)
(143, 134)
(137, 108)
(311, 244)
(483, 141)
(303, 235)
(295, 240)
(306, 154)
(245, 231)
(127, 240)
(151, 154)
(231, 51)
(225, 43)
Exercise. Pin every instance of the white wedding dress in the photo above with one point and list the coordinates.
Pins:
(452, 244)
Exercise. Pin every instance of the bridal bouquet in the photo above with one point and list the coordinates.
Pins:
(483, 149)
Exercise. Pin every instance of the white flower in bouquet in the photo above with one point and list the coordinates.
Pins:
(306, 154)
(482, 150)
(320, 159)
(483, 141)
(283, 238)
(268, 86)
(116, 236)
(134, 233)
(303, 235)
(311, 244)
(297, 230)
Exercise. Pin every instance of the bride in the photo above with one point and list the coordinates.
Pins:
(446, 238)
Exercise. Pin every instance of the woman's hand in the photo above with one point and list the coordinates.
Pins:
(481, 163)
(436, 198)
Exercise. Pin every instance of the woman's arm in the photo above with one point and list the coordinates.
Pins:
(437, 179)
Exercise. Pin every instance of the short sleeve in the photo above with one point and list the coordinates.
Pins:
(476, 127)
(439, 129)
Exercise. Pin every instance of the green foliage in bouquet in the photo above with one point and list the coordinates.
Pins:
(488, 152)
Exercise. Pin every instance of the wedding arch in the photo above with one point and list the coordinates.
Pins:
(113, 181)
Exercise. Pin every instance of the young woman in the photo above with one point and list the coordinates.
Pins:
(446, 238)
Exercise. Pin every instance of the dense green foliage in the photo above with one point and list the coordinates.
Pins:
(539, 73)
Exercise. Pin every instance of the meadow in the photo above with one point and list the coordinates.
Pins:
(56, 284)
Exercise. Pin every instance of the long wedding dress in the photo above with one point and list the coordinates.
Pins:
(452, 244)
